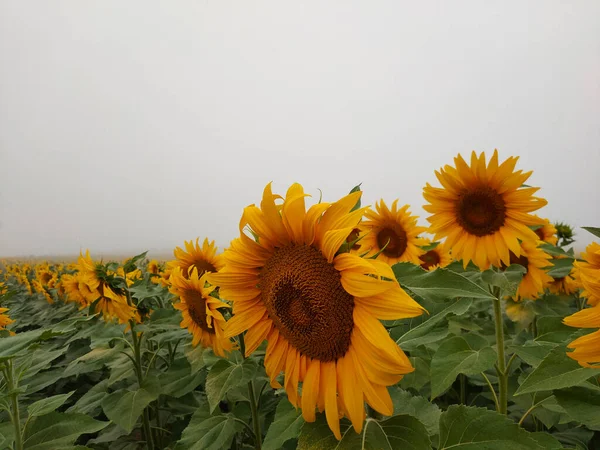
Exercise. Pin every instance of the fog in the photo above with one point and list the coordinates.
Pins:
(128, 126)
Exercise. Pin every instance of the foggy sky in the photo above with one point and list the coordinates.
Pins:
(127, 126)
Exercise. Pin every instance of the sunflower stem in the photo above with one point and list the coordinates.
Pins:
(502, 373)
(14, 400)
(255, 419)
(140, 376)
(463, 388)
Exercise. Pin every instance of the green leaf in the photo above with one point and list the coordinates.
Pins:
(11, 346)
(209, 432)
(124, 407)
(582, 405)
(457, 355)
(195, 356)
(286, 425)
(507, 280)
(594, 230)
(225, 375)
(398, 432)
(57, 430)
(47, 405)
(91, 400)
(439, 283)
(179, 380)
(419, 334)
(553, 250)
(419, 407)
(532, 352)
(355, 189)
(417, 379)
(561, 267)
(463, 427)
(41, 359)
(556, 371)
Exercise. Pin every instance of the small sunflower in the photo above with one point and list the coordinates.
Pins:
(536, 279)
(586, 348)
(392, 233)
(3, 288)
(204, 258)
(546, 232)
(482, 210)
(435, 256)
(589, 273)
(70, 285)
(112, 305)
(318, 309)
(4, 319)
(200, 311)
(153, 267)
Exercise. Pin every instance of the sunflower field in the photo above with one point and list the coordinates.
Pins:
(323, 325)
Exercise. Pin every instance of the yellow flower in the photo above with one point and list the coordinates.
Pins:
(566, 285)
(202, 258)
(536, 279)
(393, 230)
(318, 310)
(589, 273)
(3, 288)
(4, 319)
(200, 311)
(435, 257)
(482, 210)
(153, 267)
(520, 312)
(586, 348)
(70, 285)
(547, 232)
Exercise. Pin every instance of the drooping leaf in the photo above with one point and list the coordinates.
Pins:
(594, 230)
(439, 283)
(532, 352)
(11, 346)
(91, 400)
(287, 425)
(208, 431)
(179, 379)
(48, 404)
(582, 405)
(561, 267)
(468, 428)
(428, 413)
(226, 375)
(124, 407)
(507, 280)
(57, 430)
(556, 371)
(469, 355)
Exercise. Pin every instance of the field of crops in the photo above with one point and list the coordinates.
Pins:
(326, 324)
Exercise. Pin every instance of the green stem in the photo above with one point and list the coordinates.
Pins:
(502, 375)
(463, 389)
(253, 402)
(489, 383)
(535, 405)
(14, 400)
(140, 376)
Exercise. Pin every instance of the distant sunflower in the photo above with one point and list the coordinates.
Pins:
(536, 279)
(482, 210)
(546, 232)
(153, 267)
(435, 257)
(3, 288)
(204, 258)
(568, 285)
(393, 233)
(586, 348)
(70, 285)
(4, 318)
(112, 305)
(318, 310)
(200, 311)
(589, 273)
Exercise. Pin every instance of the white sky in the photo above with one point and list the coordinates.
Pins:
(127, 126)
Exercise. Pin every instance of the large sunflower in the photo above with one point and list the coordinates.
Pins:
(392, 233)
(204, 258)
(546, 232)
(317, 309)
(586, 348)
(435, 257)
(589, 273)
(536, 261)
(112, 305)
(200, 311)
(482, 210)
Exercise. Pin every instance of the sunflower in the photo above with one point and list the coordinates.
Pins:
(393, 234)
(568, 285)
(546, 232)
(202, 258)
(589, 273)
(4, 319)
(535, 260)
(435, 256)
(112, 305)
(70, 286)
(3, 288)
(482, 210)
(318, 309)
(586, 348)
(200, 310)
(153, 267)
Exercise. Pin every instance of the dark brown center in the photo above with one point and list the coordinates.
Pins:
(201, 265)
(395, 238)
(514, 259)
(305, 299)
(540, 233)
(353, 236)
(430, 259)
(480, 211)
(197, 309)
